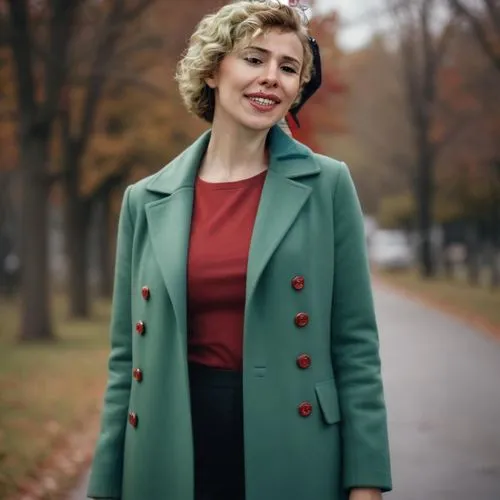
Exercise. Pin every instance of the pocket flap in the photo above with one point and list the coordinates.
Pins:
(326, 392)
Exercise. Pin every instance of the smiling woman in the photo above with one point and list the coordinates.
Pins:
(212, 41)
(244, 358)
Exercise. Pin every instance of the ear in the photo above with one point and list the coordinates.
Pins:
(211, 81)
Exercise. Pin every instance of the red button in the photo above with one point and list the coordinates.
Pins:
(133, 419)
(298, 282)
(304, 361)
(301, 319)
(137, 373)
(305, 409)
(146, 293)
(140, 327)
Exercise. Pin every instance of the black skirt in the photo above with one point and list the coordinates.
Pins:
(217, 417)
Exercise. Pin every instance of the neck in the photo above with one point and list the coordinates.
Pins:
(234, 153)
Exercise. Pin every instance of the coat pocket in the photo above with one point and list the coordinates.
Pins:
(326, 392)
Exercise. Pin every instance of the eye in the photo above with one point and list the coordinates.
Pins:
(289, 69)
(253, 60)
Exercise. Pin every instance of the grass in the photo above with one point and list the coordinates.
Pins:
(48, 390)
(478, 304)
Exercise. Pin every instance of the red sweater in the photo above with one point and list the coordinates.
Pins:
(221, 229)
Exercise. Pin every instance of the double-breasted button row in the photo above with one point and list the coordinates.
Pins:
(303, 360)
(137, 373)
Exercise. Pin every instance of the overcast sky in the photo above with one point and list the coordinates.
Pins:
(357, 20)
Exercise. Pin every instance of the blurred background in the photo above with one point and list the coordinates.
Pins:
(88, 104)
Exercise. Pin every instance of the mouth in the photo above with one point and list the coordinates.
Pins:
(263, 102)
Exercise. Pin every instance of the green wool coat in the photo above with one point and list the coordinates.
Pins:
(309, 224)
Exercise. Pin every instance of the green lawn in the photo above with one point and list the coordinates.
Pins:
(479, 304)
(48, 391)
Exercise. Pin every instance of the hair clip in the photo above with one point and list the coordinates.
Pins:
(313, 84)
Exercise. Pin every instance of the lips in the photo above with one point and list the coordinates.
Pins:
(264, 99)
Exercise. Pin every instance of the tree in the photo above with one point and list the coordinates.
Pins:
(422, 46)
(37, 106)
(89, 74)
(379, 147)
(137, 124)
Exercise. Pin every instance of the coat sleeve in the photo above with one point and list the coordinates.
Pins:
(355, 348)
(106, 473)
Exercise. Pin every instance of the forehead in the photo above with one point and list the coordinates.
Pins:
(275, 40)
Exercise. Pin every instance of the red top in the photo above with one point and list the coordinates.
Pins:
(221, 229)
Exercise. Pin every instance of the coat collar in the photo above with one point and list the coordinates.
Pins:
(181, 172)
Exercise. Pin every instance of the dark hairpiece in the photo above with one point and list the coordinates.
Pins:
(313, 84)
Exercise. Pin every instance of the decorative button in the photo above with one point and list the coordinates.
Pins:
(146, 292)
(298, 282)
(305, 409)
(140, 327)
(137, 374)
(133, 419)
(304, 361)
(301, 319)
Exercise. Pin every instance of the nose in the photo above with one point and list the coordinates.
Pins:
(269, 77)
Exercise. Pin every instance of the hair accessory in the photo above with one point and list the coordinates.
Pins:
(313, 84)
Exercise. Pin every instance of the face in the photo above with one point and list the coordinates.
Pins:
(257, 83)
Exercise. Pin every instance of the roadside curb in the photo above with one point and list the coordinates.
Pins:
(477, 322)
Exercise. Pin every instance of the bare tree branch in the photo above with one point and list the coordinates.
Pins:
(61, 25)
(124, 78)
(479, 28)
(145, 43)
(96, 81)
(136, 10)
(21, 42)
(494, 9)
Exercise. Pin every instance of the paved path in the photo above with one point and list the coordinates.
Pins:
(443, 395)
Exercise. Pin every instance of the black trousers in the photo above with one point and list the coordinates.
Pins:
(217, 418)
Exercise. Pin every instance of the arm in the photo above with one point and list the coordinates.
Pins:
(106, 475)
(355, 352)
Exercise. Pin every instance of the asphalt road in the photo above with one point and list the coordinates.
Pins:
(442, 383)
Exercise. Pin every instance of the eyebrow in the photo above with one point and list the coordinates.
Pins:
(265, 51)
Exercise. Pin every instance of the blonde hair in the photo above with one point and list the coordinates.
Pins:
(217, 35)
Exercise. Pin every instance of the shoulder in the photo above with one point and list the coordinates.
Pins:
(330, 166)
(334, 173)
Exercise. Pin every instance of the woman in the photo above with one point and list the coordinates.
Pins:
(244, 359)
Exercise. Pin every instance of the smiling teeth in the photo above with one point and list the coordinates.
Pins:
(264, 102)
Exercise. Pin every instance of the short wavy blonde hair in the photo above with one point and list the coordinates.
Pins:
(218, 34)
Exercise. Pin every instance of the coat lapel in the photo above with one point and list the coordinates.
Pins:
(282, 199)
(169, 222)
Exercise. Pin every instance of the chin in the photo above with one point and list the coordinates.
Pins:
(259, 124)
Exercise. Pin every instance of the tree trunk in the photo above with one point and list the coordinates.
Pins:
(104, 234)
(77, 218)
(495, 270)
(472, 255)
(35, 308)
(424, 206)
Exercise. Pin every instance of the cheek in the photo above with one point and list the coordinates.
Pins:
(292, 90)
